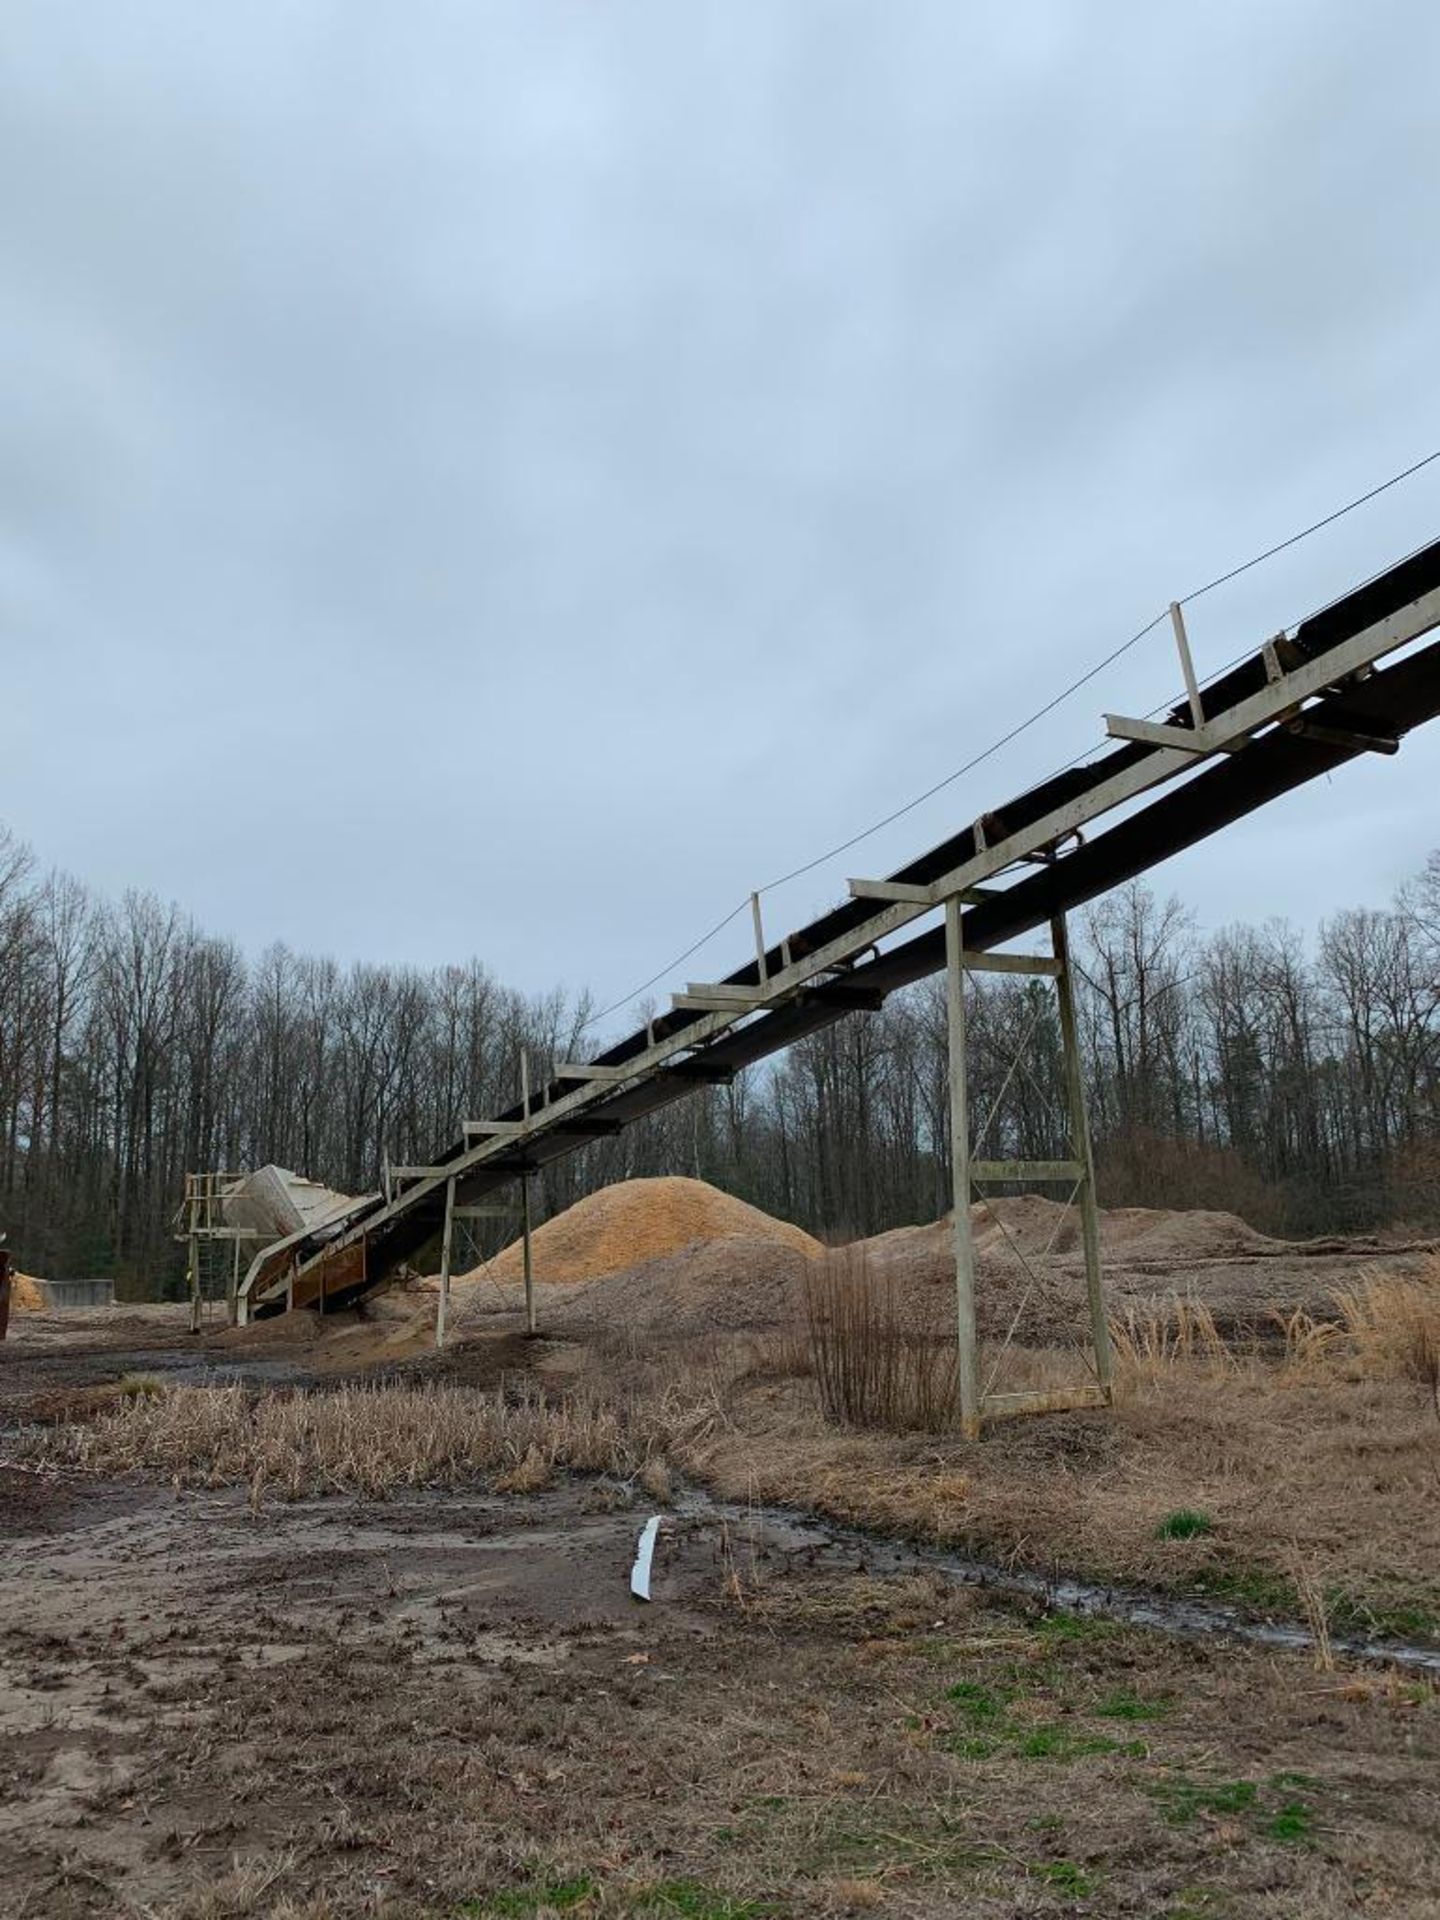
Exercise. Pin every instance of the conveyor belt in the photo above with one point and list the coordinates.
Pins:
(1321, 729)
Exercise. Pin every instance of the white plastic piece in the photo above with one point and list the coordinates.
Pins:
(644, 1554)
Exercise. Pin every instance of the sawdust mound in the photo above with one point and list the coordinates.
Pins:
(635, 1222)
(1027, 1244)
(342, 1341)
(1198, 1234)
(1027, 1256)
(1039, 1228)
(730, 1284)
(26, 1293)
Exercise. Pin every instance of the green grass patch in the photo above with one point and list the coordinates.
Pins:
(1293, 1821)
(1064, 1876)
(1182, 1799)
(977, 1702)
(696, 1901)
(1416, 1621)
(1129, 1706)
(1256, 1588)
(1275, 1812)
(1075, 1626)
(1186, 1523)
(560, 1895)
(1056, 1741)
(990, 1727)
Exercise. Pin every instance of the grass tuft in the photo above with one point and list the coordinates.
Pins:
(1186, 1523)
(1292, 1822)
(139, 1386)
(1128, 1706)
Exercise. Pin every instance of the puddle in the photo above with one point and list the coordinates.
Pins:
(822, 1542)
(203, 1371)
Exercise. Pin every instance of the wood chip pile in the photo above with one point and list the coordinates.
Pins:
(637, 1221)
(25, 1294)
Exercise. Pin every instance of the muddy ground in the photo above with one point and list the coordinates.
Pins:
(447, 1703)
(450, 1704)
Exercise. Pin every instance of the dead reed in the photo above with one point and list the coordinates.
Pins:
(1317, 1612)
(870, 1370)
(372, 1440)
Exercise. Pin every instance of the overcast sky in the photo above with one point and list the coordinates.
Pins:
(508, 479)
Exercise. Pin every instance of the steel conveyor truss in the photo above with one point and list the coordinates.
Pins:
(1302, 705)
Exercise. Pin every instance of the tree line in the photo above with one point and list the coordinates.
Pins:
(1294, 1084)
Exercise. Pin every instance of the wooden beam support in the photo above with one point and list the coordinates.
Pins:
(909, 893)
(1017, 1172)
(1150, 733)
(232, 1233)
(527, 1256)
(705, 1000)
(912, 894)
(1187, 665)
(447, 1239)
(968, 1347)
(1057, 1400)
(1012, 963)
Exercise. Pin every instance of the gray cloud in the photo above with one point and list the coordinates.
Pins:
(512, 478)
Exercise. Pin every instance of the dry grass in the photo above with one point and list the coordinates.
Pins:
(375, 1440)
(1151, 1344)
(1393, 1326)
(1308, 1342)
(1387, 1327)
(1317, 1612)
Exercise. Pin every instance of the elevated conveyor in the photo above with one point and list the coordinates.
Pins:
(1302, 705)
